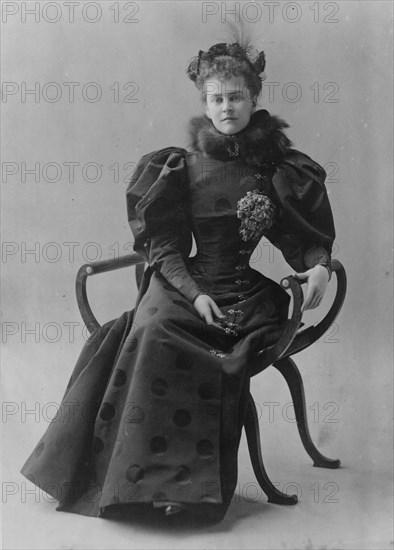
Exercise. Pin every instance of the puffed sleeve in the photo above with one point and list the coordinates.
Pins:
(304, 228)
(159, 217)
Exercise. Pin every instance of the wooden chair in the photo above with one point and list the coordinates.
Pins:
(292, 341)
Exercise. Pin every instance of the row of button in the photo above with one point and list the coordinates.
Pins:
(241, 267)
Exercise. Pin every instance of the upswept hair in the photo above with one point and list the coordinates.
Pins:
(235, 57)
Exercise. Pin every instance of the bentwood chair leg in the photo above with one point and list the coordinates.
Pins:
(292, 375)
(251, 425)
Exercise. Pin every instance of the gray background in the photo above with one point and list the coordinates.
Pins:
(347, 374)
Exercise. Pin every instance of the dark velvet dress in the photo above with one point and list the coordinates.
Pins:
(155, 405)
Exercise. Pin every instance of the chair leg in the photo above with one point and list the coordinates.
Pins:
(251, 425)
(292, 375)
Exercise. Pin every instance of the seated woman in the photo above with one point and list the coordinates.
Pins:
(153, 413)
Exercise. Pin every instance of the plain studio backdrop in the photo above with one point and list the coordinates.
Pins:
(88, 88)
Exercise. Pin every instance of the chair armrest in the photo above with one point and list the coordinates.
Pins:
(292, 341)
(273, 353)
(93, 268)
(308, 336)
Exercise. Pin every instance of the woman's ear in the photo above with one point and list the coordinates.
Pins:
(207, 110)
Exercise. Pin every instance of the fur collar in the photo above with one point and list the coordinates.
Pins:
(263, 141)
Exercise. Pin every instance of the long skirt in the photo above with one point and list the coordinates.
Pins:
(155, 405)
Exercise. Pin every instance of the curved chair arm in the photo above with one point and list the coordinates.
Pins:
(292, 341)
(309, 335)
(267, 356)
(87, 270)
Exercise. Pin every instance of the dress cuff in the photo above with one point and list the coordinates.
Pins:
(186, 286)
(199, 293)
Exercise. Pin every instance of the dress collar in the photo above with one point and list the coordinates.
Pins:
(262, 142)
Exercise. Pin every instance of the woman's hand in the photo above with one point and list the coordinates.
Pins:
(317, 279)
(207, 308)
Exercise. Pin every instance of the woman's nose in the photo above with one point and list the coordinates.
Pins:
(227, 105)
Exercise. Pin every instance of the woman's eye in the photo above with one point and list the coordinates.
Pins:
(219, 100)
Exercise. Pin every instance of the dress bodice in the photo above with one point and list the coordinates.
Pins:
(174, 193)
(215, 189)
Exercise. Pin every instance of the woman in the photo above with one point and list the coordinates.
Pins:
(155, 406)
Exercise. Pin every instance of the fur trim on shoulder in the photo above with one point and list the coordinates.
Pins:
(263, 141)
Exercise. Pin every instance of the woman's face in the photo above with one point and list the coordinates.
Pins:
(228, 104)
